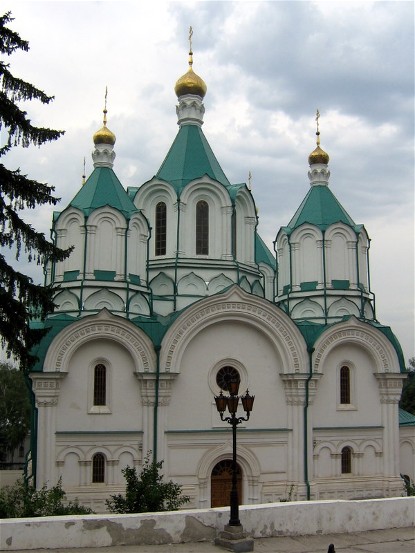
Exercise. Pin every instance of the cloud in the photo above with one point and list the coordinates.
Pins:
(268, 66)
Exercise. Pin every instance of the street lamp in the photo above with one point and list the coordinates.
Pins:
(231, 402)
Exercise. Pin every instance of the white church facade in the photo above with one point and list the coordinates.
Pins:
(169, 291)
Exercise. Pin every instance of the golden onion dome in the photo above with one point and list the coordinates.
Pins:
(104, 135)
(318, 156)
(190, 83)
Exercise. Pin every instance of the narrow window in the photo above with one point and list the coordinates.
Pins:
(346, 460)
(202, 228)
(161, 228)
(345, 385)
(100, 384)
(98, 468)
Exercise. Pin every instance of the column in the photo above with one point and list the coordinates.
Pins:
(390, 388)
(46, 387)
(90, 251)
(120, 253)
(295, 391)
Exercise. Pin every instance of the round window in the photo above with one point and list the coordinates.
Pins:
(225, 375)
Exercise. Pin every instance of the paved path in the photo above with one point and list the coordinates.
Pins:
(400, 540)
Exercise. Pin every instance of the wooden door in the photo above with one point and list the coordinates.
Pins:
(221, 483)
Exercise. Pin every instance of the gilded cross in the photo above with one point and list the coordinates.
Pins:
(190, 37)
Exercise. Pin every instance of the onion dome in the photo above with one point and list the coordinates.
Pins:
(190, 83)
(104, 135)
(318, 155)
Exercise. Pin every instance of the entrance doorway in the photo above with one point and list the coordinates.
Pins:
(221, 483)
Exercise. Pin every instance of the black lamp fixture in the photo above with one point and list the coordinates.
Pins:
(231, 403)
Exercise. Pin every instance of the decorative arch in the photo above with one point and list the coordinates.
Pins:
(93, 450)
(192, 284)
(246, 459)
(307, 256)
(219, 283)
(138, 305)
(104, 325)
(217, 202)
(104, 299)
(205, 188)
(246, 222)
(66, 301)
(152, 192)
(109, 214)
(343, 307)
(74, 450)
(70, 231)
(307, 309)
(162, 285)
(354, 331)
(137, 237)
(236, 305)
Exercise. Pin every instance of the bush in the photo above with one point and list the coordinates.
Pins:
(24, 500)
(146, 492)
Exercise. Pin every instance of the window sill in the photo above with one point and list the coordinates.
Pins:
(99, 410)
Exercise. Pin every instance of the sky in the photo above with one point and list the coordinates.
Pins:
(268, 67)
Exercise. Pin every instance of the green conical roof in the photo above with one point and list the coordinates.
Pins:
(103, 189)
(320, 208)
(190, 157)
(262, 252)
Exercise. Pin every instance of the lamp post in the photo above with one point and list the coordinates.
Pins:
(231, 402)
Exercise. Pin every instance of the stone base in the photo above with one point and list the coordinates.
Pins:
(233, 538)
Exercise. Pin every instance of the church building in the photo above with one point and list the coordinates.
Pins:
(170, 293)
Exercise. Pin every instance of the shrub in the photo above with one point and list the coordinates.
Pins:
(24, 500)
(146, 492)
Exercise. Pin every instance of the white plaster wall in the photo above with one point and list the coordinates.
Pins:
(289, 519)
(365, 408)
(225, 343)
(75, 395)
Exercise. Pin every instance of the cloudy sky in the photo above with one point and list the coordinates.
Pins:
(268, 66)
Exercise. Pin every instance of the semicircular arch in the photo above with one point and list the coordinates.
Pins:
(358, 333)
(106, 326)
(246, 459)
(236, 305)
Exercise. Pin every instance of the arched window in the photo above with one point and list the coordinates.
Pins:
(345, 385)
(100, 384)
(346, 460)
(98, 468)
(161, 228)
(202, 228)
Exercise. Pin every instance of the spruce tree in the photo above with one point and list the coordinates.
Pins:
(20, 297)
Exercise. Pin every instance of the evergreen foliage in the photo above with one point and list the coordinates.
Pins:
(146, 492)
(23, 500)
(408, 390)
(14, 409)
(19, 296)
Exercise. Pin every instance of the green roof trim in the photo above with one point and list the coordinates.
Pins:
(406, 419)
(190, 157)
(52, 326)
(311, 332)
(103, 189)
(321, 208)
(263, 253)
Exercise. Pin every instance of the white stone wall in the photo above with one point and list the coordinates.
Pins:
(259, 521)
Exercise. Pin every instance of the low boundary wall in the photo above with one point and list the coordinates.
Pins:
(260, 521)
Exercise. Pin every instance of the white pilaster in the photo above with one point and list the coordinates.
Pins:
(46, 387)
